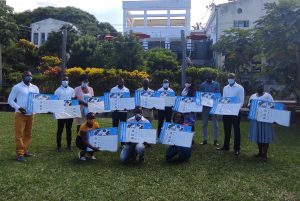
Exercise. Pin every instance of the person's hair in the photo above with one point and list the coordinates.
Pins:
(120, 79)
(138, 108)
(181, 116)
(191, 90)
(83, 77)
(231, 75)
(90, 115)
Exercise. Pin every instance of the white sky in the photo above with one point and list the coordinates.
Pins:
(108, 10)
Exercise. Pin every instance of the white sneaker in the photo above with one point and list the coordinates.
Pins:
(82, 158)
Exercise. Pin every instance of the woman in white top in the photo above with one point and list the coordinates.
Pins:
(260, 132)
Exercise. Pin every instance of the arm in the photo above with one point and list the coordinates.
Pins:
(11, 98)
(242, 96)
(85, 142)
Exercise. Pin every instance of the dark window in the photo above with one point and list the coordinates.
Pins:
(43, 38)
(36, 38)
(241, 23)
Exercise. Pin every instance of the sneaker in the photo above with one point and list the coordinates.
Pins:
(236, 153)
(21, 159)
(80, 157)
(27, 154)
(216, 143)
(141, 159)
(58, 149)
(222, 149)
(90, 156)
(204, 142)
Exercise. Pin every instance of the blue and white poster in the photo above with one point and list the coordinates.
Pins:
(186, 104)
(169, 97)
(149, 100)
(207, 98)
(176, 134)
(269, 112)
(118, 101)
(105, 139)
(68, 109)
(95, 104)
(226, 106)
(137, 132)
(41, 103)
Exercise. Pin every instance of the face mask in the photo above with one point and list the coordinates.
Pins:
(138, 117)
(28, 78)
(120, 86)
(231, 81)
(84, 84)
(187, 85)
(64, 83)
(166, 85)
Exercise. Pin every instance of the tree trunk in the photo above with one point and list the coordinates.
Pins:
(1, 80)
(298, 63)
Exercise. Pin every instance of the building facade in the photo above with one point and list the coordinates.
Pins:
(41, 29)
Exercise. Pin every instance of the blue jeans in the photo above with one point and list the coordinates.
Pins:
(205, 114)
(130, 151)
(184, 153)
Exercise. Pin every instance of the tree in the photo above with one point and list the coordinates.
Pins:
(278, 35)
(160, 59)
(238, 47)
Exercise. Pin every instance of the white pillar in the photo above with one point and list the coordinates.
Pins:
(168, 19)
(188, 22)
(167, 43)
(124, 20)
(145, 19)
(145, 44)
(39, 39)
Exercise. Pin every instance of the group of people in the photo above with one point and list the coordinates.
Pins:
(259, 132)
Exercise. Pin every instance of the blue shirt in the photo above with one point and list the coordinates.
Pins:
(213, 87)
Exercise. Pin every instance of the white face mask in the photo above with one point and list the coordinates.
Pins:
(64, 83)
(231, 81)
(166, 85)
(187, 85)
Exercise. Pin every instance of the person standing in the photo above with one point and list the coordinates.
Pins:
(81, 92)
(64, 92)
(119, 115)
(213, 87)
(167, 113)
(147, 113)
(261, 132)
(189, 91)
(130, 150)
(233, 89)
(18, 99)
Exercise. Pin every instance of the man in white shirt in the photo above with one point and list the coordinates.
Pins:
(18, 99)
(148, 113)
(233, 89)
(167, 113)
(119, 115)
(130, 150)
(64, 92)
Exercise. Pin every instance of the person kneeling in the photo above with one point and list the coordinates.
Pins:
(81, 139)
(177, 153)
(131, 150)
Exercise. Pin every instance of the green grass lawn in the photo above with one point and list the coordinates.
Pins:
(209, 175)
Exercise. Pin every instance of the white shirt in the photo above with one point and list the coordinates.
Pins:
(18, 96)
(265, 97)
(168, 90)
(235, 90)
(65, 93)
(142, 120)
(142, 89)
(116, 89)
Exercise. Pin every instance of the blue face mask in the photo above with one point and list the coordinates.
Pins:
(84, 84)
(231, 81)
(28, 78)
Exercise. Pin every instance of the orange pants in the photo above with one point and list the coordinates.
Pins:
(23, 130)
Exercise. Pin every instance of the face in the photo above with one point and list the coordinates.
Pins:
(178, 119)
(27, 77)
(146, 83)
(90, 121)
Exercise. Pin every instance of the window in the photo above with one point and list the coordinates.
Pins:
(36, 38)
(241, 23)
(43, 38)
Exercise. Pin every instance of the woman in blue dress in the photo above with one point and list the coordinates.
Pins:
(261, 133)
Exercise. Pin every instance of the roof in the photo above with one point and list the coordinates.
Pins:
(51, 21)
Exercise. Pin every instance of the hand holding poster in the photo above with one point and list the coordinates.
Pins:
(41, 103)
(269, 112)
(186, 105)
(137, 133)
(149, 100)
(105, 139)
(118, 101)
(68, 109)
(176, 134)
(207, 98)
(169, 98)
(95, 104)
(226, 106)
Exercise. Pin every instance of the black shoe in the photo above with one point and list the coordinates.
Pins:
(204, 142)
(141, 159)
(216, 143)
(58, 149)
(236, 153)
(222, 149)
(27, 154)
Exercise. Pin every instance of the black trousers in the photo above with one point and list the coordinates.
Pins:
(82, 146)
(117, 117)
(230, 121)
(164, 115)
(60, 128)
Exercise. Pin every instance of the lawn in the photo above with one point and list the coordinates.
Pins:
(209, 175)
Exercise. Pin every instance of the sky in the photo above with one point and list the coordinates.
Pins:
(108, 10)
